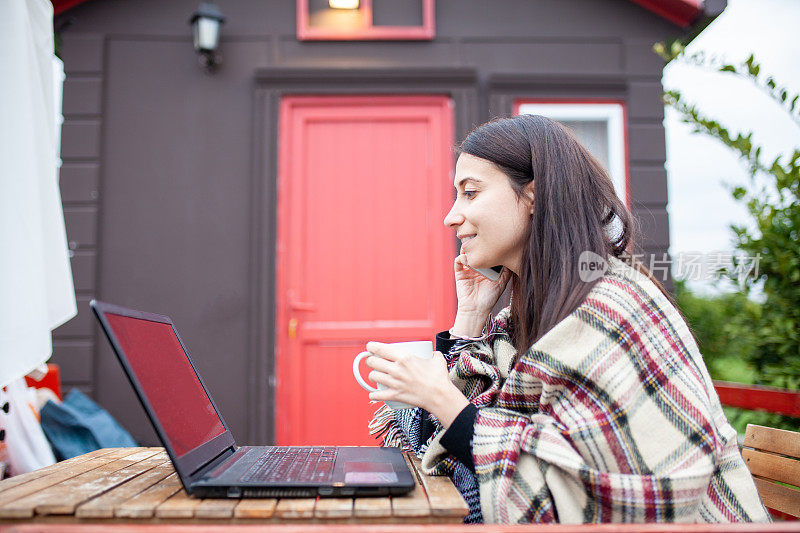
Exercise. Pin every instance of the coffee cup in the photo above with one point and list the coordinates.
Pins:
(421, 349)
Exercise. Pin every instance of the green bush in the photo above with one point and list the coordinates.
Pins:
(722, 326)
(741, 340)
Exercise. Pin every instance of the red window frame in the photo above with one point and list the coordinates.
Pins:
(368, 32)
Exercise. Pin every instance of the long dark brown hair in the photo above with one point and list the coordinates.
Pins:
(575, 210)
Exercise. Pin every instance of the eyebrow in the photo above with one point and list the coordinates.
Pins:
(468, 178)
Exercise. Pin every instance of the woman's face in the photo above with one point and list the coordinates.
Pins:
(488, 217)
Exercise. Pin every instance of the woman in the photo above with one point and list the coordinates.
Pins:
(585, 400)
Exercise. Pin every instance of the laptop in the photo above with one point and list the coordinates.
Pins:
(200, 445)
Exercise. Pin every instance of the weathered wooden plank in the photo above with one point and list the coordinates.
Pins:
(415, 503)
(216, 508)
(9, 510)
(444, 498)
(771, 466)
(772, 440)
(143, 505)
(62, 499)
(778, 527)
(778, 497)
(256, 508)
(36, 474)
(179, 505)
(372, 507)
(293, 508)
(334, 508)
(104, 505)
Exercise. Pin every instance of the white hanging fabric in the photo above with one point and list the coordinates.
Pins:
(36, 290)
(28, 448)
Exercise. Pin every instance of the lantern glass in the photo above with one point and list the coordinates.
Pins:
(343, 4)
(206, 34)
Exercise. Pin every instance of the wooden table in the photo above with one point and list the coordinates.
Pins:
(139, 485)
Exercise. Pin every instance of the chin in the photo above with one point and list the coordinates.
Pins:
(479, 263)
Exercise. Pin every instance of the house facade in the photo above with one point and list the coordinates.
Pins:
(287, 207)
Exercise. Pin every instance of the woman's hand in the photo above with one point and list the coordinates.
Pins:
(476, 293)
(410, 379)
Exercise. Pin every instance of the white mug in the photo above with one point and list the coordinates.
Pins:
(421, 349)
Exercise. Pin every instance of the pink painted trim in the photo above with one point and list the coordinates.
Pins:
(426, 32)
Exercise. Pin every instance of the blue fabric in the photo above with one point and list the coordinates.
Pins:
(78, 425)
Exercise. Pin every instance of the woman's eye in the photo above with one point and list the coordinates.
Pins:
(469, 194)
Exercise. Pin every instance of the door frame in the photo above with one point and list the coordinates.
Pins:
(460, 84)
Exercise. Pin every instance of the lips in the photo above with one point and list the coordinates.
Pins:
(465, 240)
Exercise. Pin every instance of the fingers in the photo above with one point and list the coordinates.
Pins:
(460, 262)
(383, 379)
(379, 363)
(382, 350)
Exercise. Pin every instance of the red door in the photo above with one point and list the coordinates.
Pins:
(364, 183)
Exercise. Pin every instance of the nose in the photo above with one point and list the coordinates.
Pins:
(454, 217)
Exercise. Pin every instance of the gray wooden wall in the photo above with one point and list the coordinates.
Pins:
(159, 158)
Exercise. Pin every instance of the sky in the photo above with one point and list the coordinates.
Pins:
(698, 167)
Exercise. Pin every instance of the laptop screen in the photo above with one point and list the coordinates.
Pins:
(168, 380)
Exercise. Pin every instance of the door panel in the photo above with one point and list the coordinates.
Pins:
(364, 184)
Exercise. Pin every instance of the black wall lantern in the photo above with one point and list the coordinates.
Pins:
(206, 22)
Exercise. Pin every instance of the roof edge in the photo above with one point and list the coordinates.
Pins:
(683, 13)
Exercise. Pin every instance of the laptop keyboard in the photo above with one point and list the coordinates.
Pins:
(293, 464)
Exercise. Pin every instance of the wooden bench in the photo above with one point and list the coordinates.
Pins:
(773, 457)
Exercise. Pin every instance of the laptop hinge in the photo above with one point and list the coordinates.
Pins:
(223, 456)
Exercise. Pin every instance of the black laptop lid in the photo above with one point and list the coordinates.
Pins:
(168, 385)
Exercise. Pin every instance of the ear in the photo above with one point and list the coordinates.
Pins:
(528, 193)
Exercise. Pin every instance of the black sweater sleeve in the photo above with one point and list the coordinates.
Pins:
(458, 437)
(443, 342)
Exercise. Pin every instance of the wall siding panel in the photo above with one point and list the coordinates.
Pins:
(81, 225)
(653, 228)
(646, 143)
(550, 19)
(79, 182)
(82, 96)
(644, 101)
(648, 186)
(545, 57)
(74, 359)
(641, 61)
(365, 53)
(83, 270)
(80, 139)
(82, 53)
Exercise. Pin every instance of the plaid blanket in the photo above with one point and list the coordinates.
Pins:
(610, 417)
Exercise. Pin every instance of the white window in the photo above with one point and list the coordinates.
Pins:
(601, 129)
